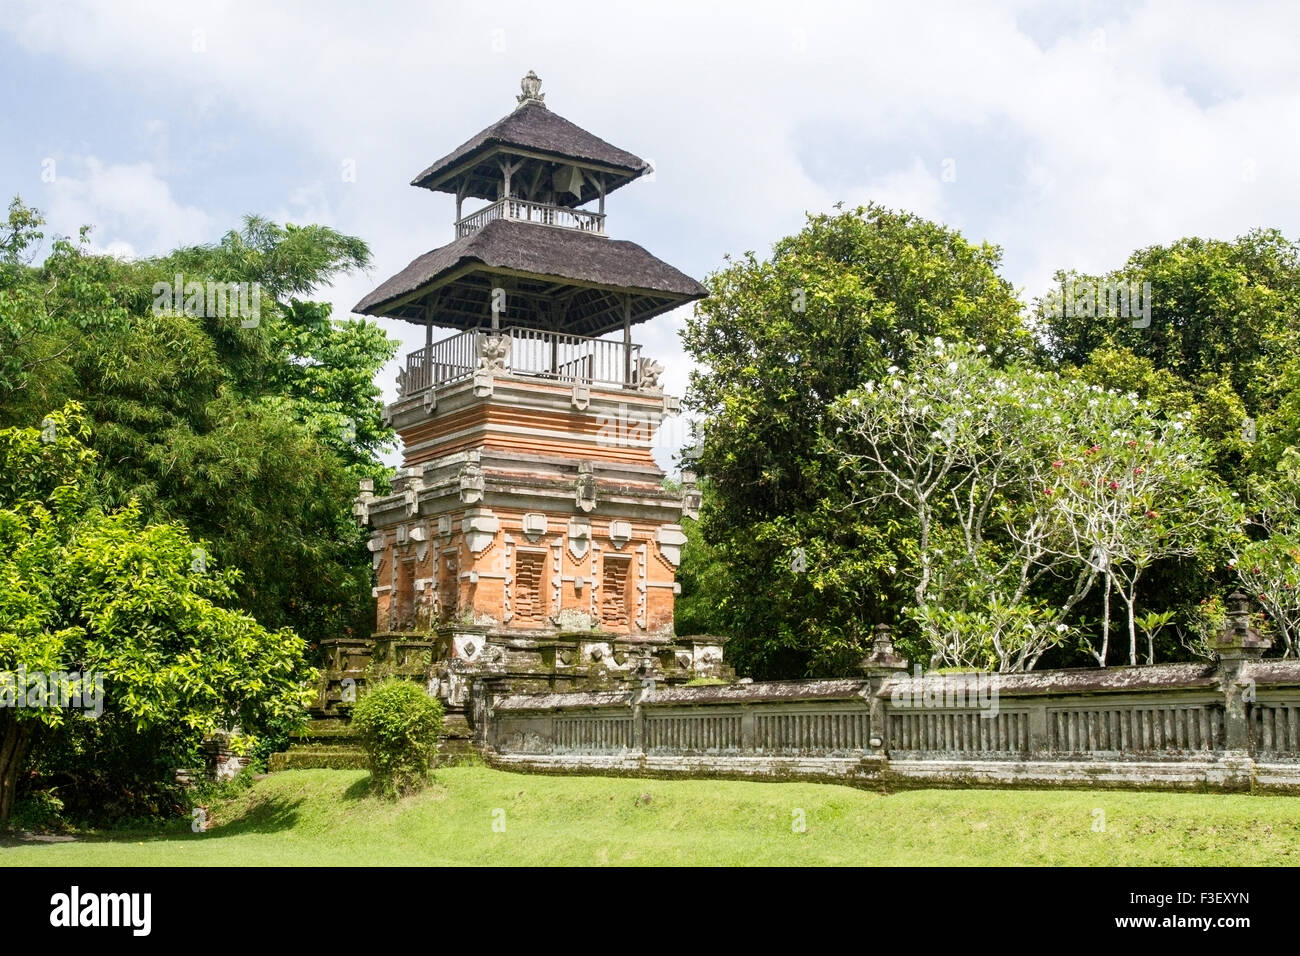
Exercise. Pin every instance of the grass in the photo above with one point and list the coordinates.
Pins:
(325, 817)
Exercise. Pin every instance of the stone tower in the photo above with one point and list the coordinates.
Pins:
(529, 535)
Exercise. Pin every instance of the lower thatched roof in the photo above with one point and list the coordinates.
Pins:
(558, 278)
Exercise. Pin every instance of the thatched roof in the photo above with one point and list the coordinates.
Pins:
(555, 278)
(533, 129)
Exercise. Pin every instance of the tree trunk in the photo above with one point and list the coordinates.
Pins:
(14, 737)
(1129, 594)
(1105, 624)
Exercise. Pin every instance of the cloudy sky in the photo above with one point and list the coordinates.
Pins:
(1067, 133)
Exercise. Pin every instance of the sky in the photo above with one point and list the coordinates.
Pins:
(1068, 134)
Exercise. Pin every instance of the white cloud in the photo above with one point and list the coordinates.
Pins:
(131, 209)
(1079, 134)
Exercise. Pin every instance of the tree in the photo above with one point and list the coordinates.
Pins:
(953, 442)
(251, 432)
(1268, 563)
(777, 342)
(701, 607)
(1223, 323)
(101, 594)
(1025, 489)
(1140, 493)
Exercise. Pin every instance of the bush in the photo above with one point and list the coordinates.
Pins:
(41, 811)
(399, 725)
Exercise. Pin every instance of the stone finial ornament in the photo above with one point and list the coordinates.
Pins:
(531, 87)
(1240, 639)
(882, 656)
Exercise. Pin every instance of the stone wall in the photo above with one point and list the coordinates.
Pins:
(1233, 724)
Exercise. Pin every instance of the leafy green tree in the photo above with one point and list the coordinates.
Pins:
(1223, 344)
(89, 591)
(253, 432)
(779, 340)
(701, 608)
(1224, 321)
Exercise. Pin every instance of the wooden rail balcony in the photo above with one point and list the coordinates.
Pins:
(531, 352)
(541, 213)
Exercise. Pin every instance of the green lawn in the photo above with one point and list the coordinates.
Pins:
(324, 817)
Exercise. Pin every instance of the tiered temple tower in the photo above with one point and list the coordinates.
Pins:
(529, 534)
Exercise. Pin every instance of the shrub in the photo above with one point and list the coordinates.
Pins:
(38, 812)
(399, 725)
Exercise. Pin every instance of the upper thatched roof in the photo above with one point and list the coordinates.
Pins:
(560, 278)
(534, 129)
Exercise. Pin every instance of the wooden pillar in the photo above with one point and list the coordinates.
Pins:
(627, 341)
(555, 339)
(507, 170)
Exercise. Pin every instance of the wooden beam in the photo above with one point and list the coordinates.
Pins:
(470, 162)
(537, 180)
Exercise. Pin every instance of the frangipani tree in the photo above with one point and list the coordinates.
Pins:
(1028, 490)
(952, 441)
(1140, 492)
(1269, 567)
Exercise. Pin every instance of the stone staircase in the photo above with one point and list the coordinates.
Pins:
(326, 743)
(329, 743)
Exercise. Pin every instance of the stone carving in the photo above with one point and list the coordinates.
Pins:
(585, 497)
(670, 539)
(471, 481)
(579, 537)
(361, 504)
(412, 495)
(648, 373)
(479, 527)
(530, 90)
(692, 498)
(493, 350)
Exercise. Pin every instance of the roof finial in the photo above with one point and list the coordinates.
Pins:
(531, 86)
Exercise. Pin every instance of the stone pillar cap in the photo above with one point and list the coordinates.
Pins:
(1240, 639)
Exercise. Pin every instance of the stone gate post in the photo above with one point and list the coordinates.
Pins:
(879, 666)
